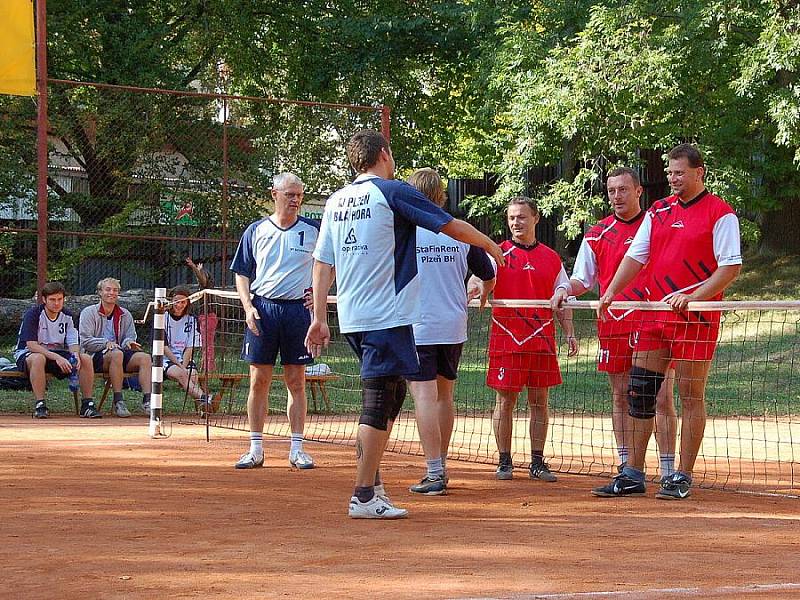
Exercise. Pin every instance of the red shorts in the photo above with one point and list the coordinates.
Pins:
(514, 371)
(616, 353)
(686, 340)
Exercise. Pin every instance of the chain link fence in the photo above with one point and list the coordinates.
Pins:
(141, 179)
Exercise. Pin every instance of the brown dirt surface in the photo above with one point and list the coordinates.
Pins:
(96, 509)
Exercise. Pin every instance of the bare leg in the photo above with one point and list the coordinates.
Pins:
(141, 363)
(370, 443)
(112, 364)
(502, 419)
(692, 377)
(537, 400)
(35, 364)
(666, 417)
(446, 411)
(258, 396)
(426, 409)
(86, 376)
(620, 420)
(297, 403)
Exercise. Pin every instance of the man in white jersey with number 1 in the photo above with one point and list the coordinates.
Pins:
(273, 261)
(368, 235)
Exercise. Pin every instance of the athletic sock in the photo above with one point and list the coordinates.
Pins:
(256, 444)
(365, 493)
(146, 398)
(623, 454)
(538, 457)
(435, 467)
(118, 397)
(633, 473)
(666, 464)
(297, 443)
(505, 458)
(86, 401)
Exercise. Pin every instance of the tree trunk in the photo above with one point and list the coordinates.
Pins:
(781, 229)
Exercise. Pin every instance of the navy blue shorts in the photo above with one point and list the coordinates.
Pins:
(284, 325)
(437, 359)
(127, 355)
(385, 352)
(50, 366)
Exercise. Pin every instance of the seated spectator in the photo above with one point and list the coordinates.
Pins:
(108, 335)
(48, 343)
(182, 336)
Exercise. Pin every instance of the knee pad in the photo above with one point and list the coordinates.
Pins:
(642, 391)
(377, 401)
(400, 390)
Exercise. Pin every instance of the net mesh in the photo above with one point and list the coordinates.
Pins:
(752, 398)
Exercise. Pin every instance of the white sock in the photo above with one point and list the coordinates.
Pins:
(297, 443)
(435, 468)
(256, 444)
(623, 454)
(666, 464)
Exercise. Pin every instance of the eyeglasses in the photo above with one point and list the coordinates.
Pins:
(291, 195)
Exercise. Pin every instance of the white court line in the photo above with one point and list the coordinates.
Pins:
(733, 590)
(62, 443)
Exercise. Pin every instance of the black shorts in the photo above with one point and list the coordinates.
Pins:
(283, 325)
(438, 359)
(127, 355)
(385, 352)
(50, 366)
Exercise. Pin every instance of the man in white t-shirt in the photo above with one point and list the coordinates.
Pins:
(368, 238)
(273, 262)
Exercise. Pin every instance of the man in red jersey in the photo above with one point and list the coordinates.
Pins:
(601, 252)
(690, 243)
(522, 346)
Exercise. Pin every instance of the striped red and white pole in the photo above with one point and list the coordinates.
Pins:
(157, 379)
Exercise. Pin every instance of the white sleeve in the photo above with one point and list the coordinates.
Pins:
(494, 263)
(562, 281)
(585, 269)
(640, 246)
(324, 249)
(727, 241)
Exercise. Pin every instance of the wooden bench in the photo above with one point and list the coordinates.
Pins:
(230, 381)
(22, 375)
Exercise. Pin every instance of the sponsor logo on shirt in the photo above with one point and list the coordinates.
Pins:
(677, 225)
(528, 267)
(629, 241)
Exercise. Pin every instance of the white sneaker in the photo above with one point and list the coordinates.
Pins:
(377, 508)
(248, 461)
(121, 409)
(301, 460)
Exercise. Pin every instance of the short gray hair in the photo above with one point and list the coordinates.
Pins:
(286, 178)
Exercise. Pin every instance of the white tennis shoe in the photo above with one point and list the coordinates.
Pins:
(376, 508)
(301, 460)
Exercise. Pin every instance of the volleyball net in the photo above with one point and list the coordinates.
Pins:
(752, 433)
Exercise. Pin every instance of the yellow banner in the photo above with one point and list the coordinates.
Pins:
(17, 49)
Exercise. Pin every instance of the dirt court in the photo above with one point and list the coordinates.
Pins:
(98, 510)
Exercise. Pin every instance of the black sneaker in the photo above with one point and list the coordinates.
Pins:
(504, 471)
(621, 466)
(89, 411)
(621, 485)
(541, 470)
(431, 485)
(40, 410)
(675, 487)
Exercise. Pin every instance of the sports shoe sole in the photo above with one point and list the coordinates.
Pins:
(664, 496)
(599, 494)
(441, 492)
(257, 465)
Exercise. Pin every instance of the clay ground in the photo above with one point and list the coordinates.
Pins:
(97, 510)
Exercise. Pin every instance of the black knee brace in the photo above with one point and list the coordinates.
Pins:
(378, 400)
(400, 389)
(642, 391)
